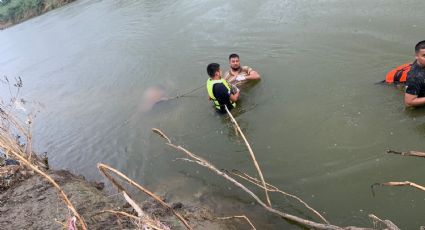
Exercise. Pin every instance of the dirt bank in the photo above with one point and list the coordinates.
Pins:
(32, 203)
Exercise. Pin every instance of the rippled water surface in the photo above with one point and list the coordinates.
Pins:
(316, 121)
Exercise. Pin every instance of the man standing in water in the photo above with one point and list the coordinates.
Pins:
(238, 74)
(415, 85)
(219, 90)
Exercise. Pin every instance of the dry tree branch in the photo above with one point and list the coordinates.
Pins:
(272, 188)
(410, 153)
(62, 224)
(236, 217)
(28, 146)
(53, 182)
(257, 166)
(390, 225)
(133, 204)
(149, 223)
(11, 125)
(405, 183)
(241, 216)
(160, 133)
(287, 216)
(103, 168)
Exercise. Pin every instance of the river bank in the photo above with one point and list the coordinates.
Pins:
(17, 11)
(28, 200)
(35, 196)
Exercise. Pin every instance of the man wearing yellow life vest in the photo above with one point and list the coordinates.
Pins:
(238, 74)
(219, 91)
(415, 84)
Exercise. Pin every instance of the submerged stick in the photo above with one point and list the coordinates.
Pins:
(103, 168)
(287, 216)
(404, 183)
(272, 188)
(390, 225)
(241, 217)
(257, 166)
(410, 153)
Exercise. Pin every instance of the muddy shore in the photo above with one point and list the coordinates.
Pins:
(31, 202)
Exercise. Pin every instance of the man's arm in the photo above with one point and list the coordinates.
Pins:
(411, 100)
(413, 89)
(253, 75)
(223, 95)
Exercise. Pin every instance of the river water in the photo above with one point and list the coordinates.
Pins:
(317, 122)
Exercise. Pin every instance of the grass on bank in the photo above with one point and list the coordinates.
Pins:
(13, 11)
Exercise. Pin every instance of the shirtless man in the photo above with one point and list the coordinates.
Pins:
(238, 74)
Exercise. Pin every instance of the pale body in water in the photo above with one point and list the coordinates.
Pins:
(151, 97)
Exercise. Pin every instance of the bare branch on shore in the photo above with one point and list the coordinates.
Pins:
(28, 145)
(150, 223)
(238, 217)
(11, 129)
(68, 203)
(257, 166)
(133, 204)
(103, 168)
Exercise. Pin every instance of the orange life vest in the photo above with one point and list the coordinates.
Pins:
(399, 74)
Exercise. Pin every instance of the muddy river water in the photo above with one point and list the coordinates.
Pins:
(317, 122)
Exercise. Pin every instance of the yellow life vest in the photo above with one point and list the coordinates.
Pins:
(210, 86)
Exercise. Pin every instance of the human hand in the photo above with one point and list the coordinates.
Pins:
(240, 78)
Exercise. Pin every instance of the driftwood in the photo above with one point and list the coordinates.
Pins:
(409, 153)
(257, 166)
(390, 225)
(403, 183)
(103, 169)
(394, 184)
(206, 164)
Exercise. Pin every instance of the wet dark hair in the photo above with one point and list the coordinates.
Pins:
(233, 56)
(419, 46)
(212, 68)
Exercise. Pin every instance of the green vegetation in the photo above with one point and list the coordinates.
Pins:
(15, 11)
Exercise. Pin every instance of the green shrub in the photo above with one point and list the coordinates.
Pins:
(4, 2)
